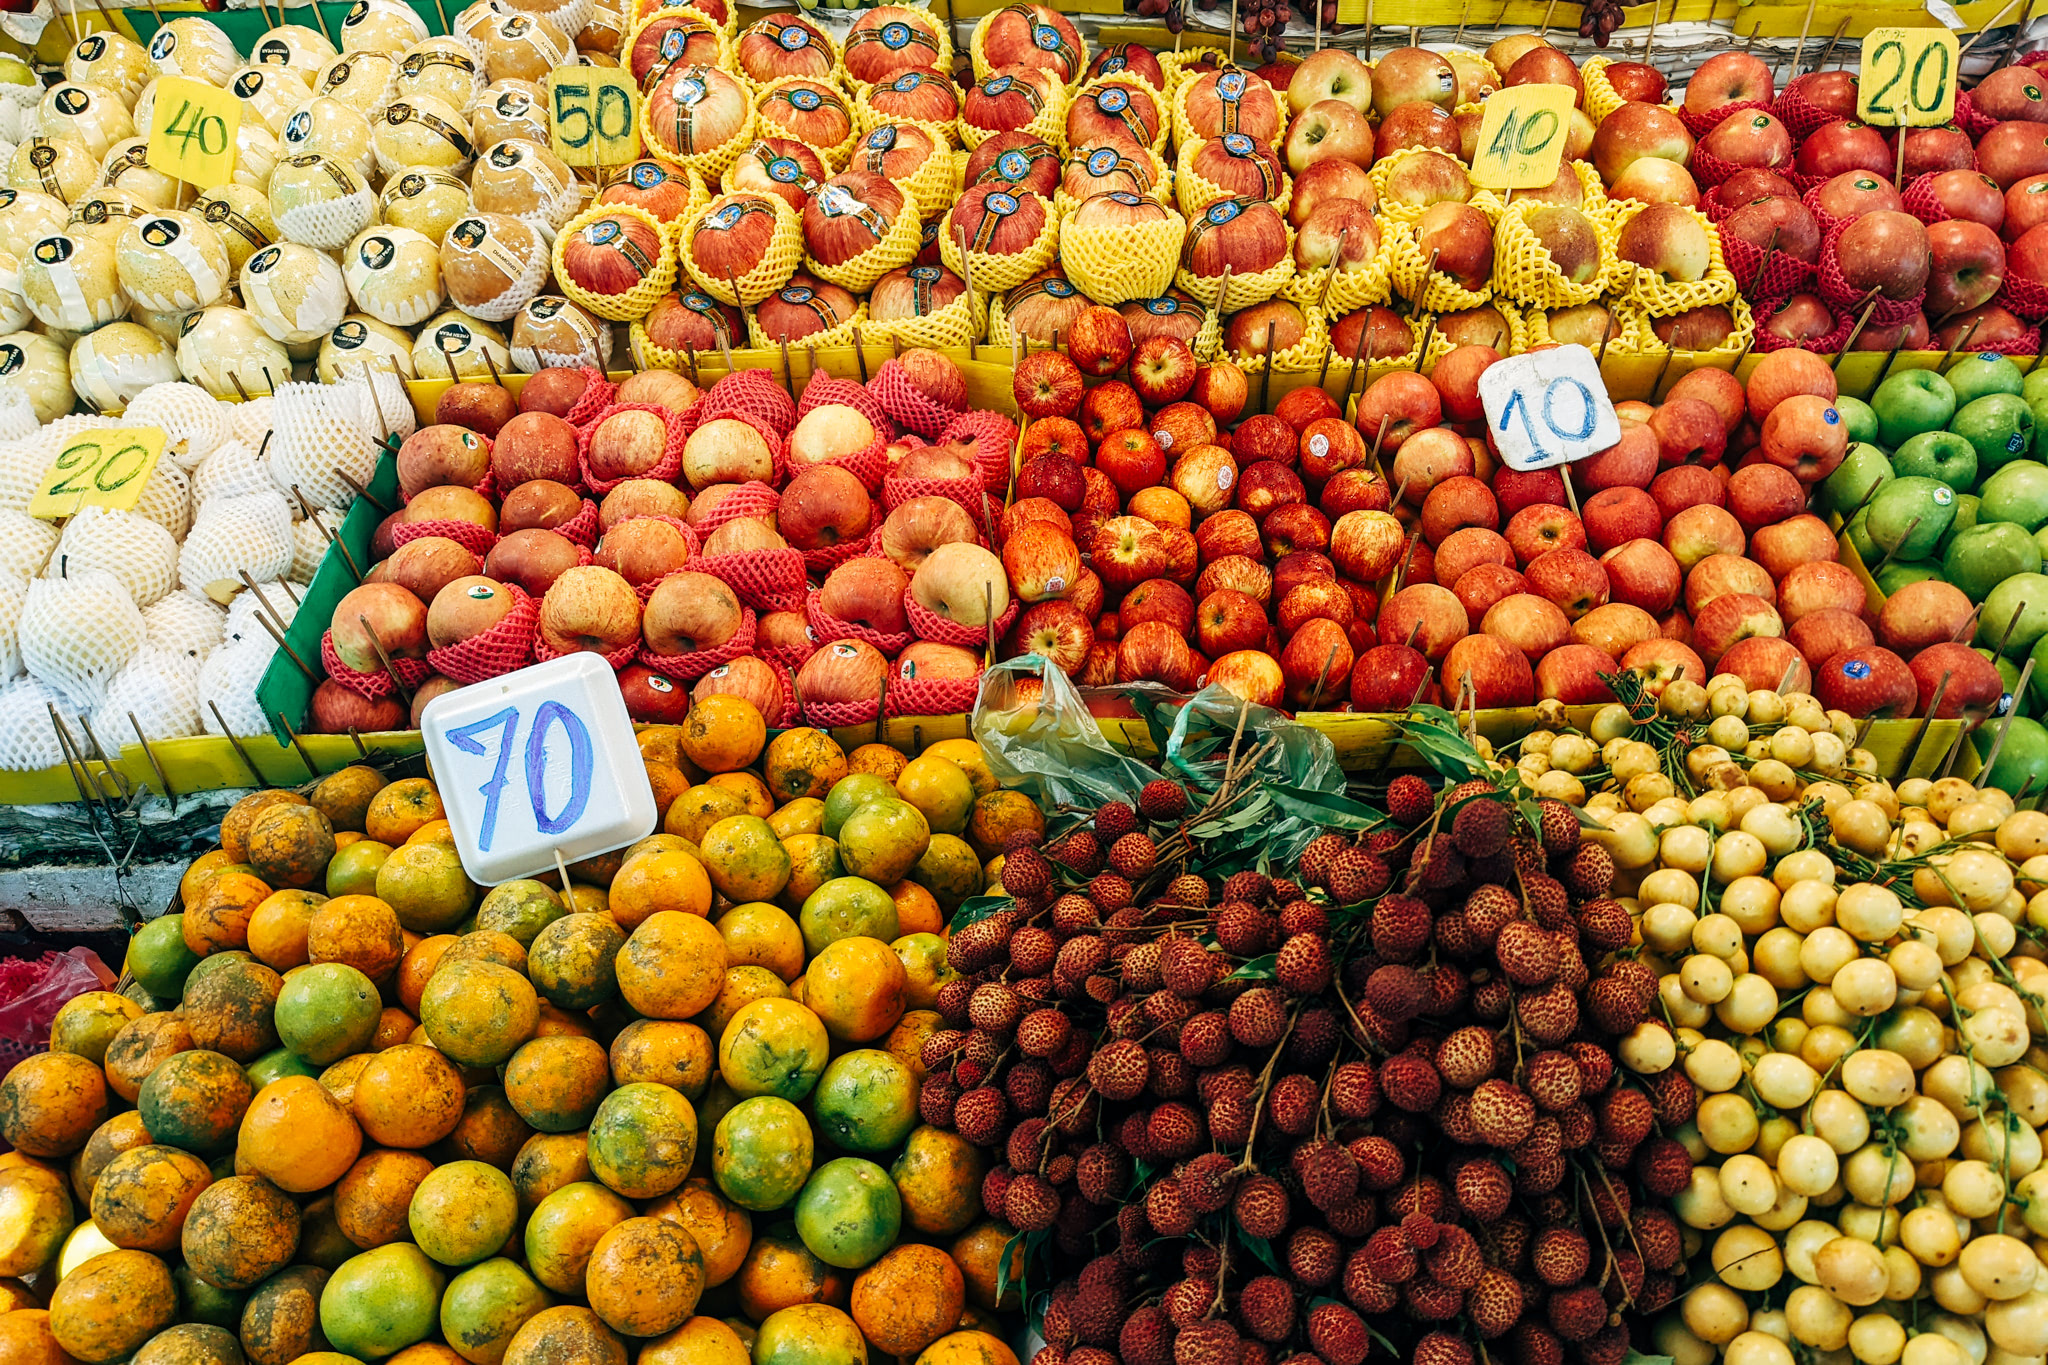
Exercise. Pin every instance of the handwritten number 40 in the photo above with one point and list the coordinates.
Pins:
(210, 129)
(1519, 404)
(581, 764)
(1525, 138)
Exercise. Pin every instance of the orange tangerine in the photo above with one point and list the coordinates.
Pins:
(749, 789)
(856, 987)
(803, 762)
(805, 815)
(432, 832)
(917, 909)
(745, 859)
(722, 733)
(699, 808)
(979, 1254)
(672, 967)
(999, 815)
(906, 1041)
(908, 1299)
(659, 882)
(401, 808)
(722, 1228)
(742, 987)
(668, 782)
(967, 755)
(758, 934)
(880, 760)
(938, 1177)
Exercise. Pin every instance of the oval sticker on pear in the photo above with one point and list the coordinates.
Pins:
(1548, 408)
(1522, 136)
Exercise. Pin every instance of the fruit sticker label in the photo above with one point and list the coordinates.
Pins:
(99, 469)
(196, 144)
(1522, 137)
(539, 765)
(1548, 408)
(594, 115)
(1909, 77)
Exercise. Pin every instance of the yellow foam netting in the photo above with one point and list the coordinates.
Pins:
(1147, 169)
(1515, 342)
(1631, 327)
(989, 273)
(1344, 291)
(1523, 269)
(703, 21)
(729, 26)
(708, 161)
(1601, 99)
(1208, 339)
(983, 68)
(1184, 129)
(872, 28)
(836, 73)
(1229, 292)
(957, 324)
(1408, 268)
(725, 177)
(868, 118)
(1114, 264)
(1304, 355)
(635, 302)
(1193, 192)
(1659, 298)
(775, 95)
(930, 186)
(1373, 369)
(784, 254)
(1138, 90)
(1643, 336)
(1384, 168)
(898, 244)
(1048, 125)
(842, 335)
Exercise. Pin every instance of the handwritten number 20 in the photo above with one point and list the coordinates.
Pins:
(1519, 403)
(582, 761)
(1880, 102)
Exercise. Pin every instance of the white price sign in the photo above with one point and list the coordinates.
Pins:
(1548, 408)
(536, 764)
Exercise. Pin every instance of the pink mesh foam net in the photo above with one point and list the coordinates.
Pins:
(908, 404)
(665, 469)
(499, 650)
(376, 685)
(825, 626)
(929, 625)
(470, 536)
(698, 662)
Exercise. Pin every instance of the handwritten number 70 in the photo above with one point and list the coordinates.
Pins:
(582, 761)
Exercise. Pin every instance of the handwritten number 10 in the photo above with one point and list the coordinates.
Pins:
(1518, 403)
(582, 756)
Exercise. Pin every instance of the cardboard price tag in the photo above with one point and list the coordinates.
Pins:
(593, 116)
(192, 132)
(106, 468)
(537, 764)
(1522, 137)
(1909, 77)
(1548, 408)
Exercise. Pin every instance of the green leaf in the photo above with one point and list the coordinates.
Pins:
(1258, 969)
(1003, 1265)
(1635, 1357)
(977, 908)
(1330, 809)
(1259, 1247)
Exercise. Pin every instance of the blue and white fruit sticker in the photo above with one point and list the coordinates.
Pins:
(538, 764)
(1548, 408)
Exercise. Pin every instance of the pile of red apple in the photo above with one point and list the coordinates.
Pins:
(1955, 255)
(803, 552)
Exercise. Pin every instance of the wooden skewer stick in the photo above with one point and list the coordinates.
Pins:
(2019, 696)
(1316, 697)
(1829, 54)
(348, 560)
(285, 645)
(1368, 29)
(232, 739)
(1571, 495)
(1961, 343)
(1893, 355)
(312, 768)
(1911, 527)
(1899, 167)
(162, 779)
(1357, 354)
(1380, 436)
(384, 657)
(1978, 36)
(1805, 25)
(2019, 32)
(1869, 308)
(1266, 374)
(1933, 709)
(860, 356)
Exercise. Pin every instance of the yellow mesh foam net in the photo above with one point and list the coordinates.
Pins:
(1662, 298)
(766, 124)
(635, 302)
(784, 254)
(1525, 271)
(1195, 192)
(896, 247)
(709, 161)
(1131, 261)
(987, 272)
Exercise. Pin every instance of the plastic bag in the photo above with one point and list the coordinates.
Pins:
(42, 988)
(1293, 792)
(1051, 748)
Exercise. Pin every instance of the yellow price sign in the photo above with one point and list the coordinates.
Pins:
(593, 116)
(192, 132)
(1909, 77)
(106, 468)
(1522, 136)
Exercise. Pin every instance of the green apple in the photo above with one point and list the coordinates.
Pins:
(1963, 520)
(1909, 515)
(1858, 531)
(1910, 402)
(2018, 492)
(1979, 559)
(14, 71)
(1945, 456)
(1999, 425)
(1899, 573)
(2034, 388)
(1986, 372)
(1855, 478)
(2021, 759)
(2041, 542)
(2037, 686)
(2019, 603)
(1859, 417)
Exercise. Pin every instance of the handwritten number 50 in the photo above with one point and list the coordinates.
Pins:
(582, 761)
(1519, 404)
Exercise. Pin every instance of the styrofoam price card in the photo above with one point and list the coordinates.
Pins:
(1909, 77)
(192, 132)
(104, 468)
(1548, 408)
(1522, 136)
(538, 763)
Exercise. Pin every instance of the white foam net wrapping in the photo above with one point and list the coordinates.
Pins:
(231, 471)
(309, 545)
(160, 689)
(136, 550)
(22, 462)
(25, 543)
(251, 420)
(241, 623)
(325, 431)
(167, 499)
(253, 532)
(27, 739)
(17, 415)
(13, 592)
(228, 680)
(184, 624)
(329, 224)
(194, 421)
(77, 632)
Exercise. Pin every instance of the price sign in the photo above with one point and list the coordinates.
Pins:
(1548, 408)
(105, 468)
(1522, 137)
(192, 132)
(593, 116)
(1909, 77)
(538, 763)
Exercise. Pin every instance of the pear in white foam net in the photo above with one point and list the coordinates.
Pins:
(235, 468)
(77, 632)
(167, 499)
(13, 593)
(25, 543)
(184, 624)
(309, 546)
(194, 421)
(23, 461)
(134, 549)
(161, 689)
(27, 740)
(228, 680)
(253, 532)
(251, 420)
(274, 603)
(325, 435)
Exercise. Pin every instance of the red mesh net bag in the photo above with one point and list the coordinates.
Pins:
(1837, 290)
(825, 626)
(1699, 125)
(1810, 196)
(967, 492)
(824, 388)
(487, 486)
(867, 464)
(470, 536)
(1771, 341)
(581, 529)
(1800, 115)
(376, 685)
(1714, 208)
(767, 580)
(750, 499)
(1970, 118)
(829, 714)
(909, 405)
(787, 656)
(596, 396)
(934, 696)
(1805, 184)
(995, 437)
(499, 650)
(832, 556)
(2026, 343)
(1763, 277)
(618, 658)
(1710, 170)
(751, 394)
(929, 625)
(1921, 203)
(698, 662)
(32, 991)
(666, 469)
(2025, 298)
